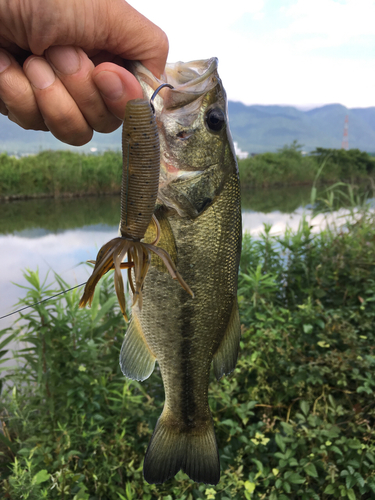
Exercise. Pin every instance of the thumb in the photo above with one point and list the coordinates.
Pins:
(132, 36)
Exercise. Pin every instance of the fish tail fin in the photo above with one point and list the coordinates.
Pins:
(171, 449)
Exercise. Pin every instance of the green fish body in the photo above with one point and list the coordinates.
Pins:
(199, 213)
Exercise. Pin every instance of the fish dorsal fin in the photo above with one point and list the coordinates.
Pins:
(136, 359)
(225, 358)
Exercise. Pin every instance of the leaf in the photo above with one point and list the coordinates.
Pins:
(350, 481)
(250, 487)
(296, 478)
(330, 489)
(310, 469)
(305, 407)
(321, 343)
(228, 422)
(355, 444)
(278, 483)
(8, 339)
(287, 428)
(280, 442)
(313, 195)
(286, 486)
(258, 464)
(351, 494)
(8, 443)
(41, 477)
(359, 479)
(307, 328)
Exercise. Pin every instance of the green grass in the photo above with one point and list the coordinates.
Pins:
(295, 421)
(58, 173)
(289, 167)
(64, 173)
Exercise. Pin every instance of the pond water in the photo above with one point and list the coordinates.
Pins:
(60, 235)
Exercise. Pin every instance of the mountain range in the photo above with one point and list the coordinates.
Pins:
(255, 128)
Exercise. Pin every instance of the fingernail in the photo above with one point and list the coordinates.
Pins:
(4, 62)
(65, 59)
(110, 85)
(40, 73)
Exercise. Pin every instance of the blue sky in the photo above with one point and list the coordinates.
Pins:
(299, 52)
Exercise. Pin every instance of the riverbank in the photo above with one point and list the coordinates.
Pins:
(294, 421)
(59, 174)
(289, 167)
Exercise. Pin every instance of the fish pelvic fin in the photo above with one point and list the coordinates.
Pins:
(136, 359)
(225, 358)
(193, 450)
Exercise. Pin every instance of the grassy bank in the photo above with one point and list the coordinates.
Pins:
(59, 173)
(63, 173)
(289, 167)
(295, 421)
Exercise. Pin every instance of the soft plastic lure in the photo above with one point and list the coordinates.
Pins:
(139, 189)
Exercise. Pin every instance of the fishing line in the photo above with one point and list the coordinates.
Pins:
(77, 286)
(41, 301)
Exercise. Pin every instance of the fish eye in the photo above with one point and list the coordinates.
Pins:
(215, 119)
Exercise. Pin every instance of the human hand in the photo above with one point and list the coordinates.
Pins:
(61, 64)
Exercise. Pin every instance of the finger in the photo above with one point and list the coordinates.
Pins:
(3, 109)
(17, 96)
(74, 69)
(58, 108)
(117, 86)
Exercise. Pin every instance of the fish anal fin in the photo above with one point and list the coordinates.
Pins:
(192, 450)
(136, 359)
(225, 358)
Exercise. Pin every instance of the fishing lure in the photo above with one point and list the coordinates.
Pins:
(139, 189)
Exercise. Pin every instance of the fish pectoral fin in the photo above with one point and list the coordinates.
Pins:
(167, 240)
(225, 358)
(136, 359)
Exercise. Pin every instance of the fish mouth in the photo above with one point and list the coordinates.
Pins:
(190, 80)
(193, 76)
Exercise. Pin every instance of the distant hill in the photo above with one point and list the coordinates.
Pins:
(256, 129)
(267, 128)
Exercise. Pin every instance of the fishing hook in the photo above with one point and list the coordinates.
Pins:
(156, 93)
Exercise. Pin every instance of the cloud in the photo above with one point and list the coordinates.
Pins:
(334, 21)
(295, 53)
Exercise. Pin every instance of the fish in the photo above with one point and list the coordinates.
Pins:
(198, 209)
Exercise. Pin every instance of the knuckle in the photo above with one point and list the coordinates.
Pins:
(163, 44)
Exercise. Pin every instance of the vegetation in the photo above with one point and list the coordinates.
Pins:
(290, 167)
(58, 173)
(294, 421)
(63, 173)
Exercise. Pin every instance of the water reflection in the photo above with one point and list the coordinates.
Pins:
(61, 252)
(59, 235)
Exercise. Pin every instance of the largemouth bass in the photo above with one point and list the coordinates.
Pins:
(199, 214)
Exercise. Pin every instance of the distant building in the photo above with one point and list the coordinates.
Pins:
(241, 155)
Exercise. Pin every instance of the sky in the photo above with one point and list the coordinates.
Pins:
(299, 52)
